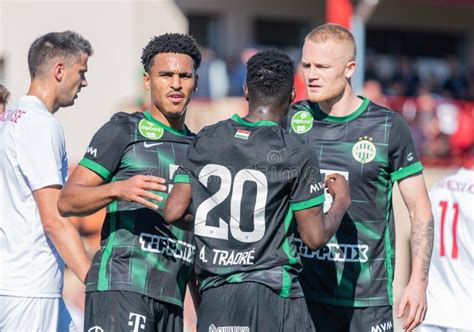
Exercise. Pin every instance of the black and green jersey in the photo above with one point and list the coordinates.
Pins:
(372, 147)
(247, 179)
(139, 251)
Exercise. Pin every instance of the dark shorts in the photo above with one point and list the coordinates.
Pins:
(331, 318)
(129, 311)
(250, 307)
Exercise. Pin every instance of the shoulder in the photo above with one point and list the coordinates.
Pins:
(300, 106)
(211, 130)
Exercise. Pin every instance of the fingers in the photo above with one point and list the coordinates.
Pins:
(401, 307)
(145, 203)
(411, 317)
(151, 178)
(419, 317)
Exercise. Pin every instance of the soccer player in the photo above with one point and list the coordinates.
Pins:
(138, 278)
(35, 241)
(246, 178)
(348, 283)
(450, 291)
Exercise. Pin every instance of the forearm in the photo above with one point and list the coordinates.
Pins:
(81, 200)
(332, 219)
(67, 241)
(421, 245)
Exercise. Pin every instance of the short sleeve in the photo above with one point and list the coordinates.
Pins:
(403, 158)
(182, 175)
(106, 148)
(308, 190)
(41, 152)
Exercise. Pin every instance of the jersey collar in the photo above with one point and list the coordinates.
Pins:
(262, 123)
(185, 132)
(320, 115)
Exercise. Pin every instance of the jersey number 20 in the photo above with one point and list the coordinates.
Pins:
(236, 186)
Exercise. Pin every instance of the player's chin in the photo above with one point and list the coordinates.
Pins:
(175, 112)
(315, 97)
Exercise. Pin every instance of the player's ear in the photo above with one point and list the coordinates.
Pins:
(196, 79)
(293, 95)
(146, 81)
(58, 71)
(246, 91)
(350, 69)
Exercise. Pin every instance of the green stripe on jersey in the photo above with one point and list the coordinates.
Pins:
(181, 178)
(103, 283)
(96, 168)
(286, 277)
(308, 204)
(388, 248)
(407, 171)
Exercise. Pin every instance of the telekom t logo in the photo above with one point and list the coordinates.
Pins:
(136, 321)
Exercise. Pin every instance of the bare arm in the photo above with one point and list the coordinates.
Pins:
(415, 196)
(61, 231)
(86, 193)
(315, 227)
(177, 204)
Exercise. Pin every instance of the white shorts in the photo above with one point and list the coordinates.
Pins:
(30, 314)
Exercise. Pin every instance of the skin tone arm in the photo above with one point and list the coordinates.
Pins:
(177, 204)
(415, 196)
(62, 232)
(85, 192)
(315, 227)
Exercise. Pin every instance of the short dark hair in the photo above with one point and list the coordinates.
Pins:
(67, 44)
(270, 76)
(171, 43)
(4, 95)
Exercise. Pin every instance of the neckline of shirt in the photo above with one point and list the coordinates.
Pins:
(185, 132)
(261, 123)
(320, 115)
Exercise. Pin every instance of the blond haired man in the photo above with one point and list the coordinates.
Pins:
(348, 282)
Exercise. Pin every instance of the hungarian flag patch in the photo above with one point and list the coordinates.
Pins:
(242, 134)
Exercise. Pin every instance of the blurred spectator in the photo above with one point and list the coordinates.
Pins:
(407, 77)
(213, 78)
(456, 86)
(4, 95)
(373, 91)
(435, 142)
(239, 72)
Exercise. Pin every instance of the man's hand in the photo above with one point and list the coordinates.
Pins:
(138, 189)
(414, 297)
(338, 188)
(85, 192)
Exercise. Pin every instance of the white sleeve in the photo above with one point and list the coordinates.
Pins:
(41, 152)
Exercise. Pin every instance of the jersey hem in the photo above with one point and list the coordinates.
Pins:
(406, 171)
(351, 303)
(308, 204)
(52, 181)
(289, 296)
(26, 294)
(96, 168)
(136, 290)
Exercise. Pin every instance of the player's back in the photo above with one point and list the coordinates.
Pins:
(246, 180)
(450, 290)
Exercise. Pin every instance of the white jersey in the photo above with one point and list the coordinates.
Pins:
(32, 156)
(451, 279)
